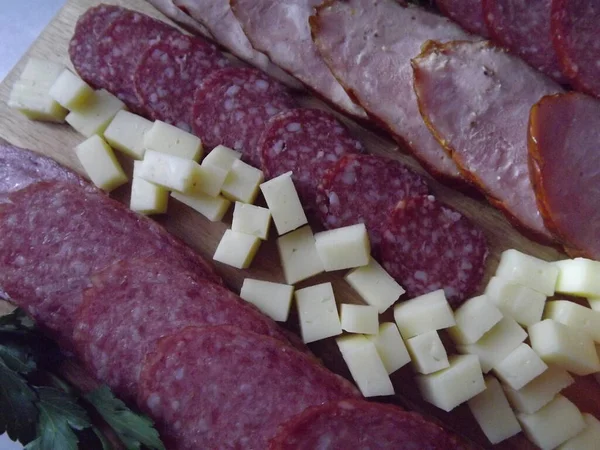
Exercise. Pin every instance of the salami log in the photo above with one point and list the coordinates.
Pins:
(224, 387)
(467, 13)
(476, 100)
(307, 142)
(232, 107)
(564, 156)
(428, 246)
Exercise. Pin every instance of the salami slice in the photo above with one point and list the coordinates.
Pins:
(476, 100)
(428, 246)
(344, 424)
(233, 106)
(365, 188)
(576, 38)
(523, 27)
(467, 13)
(224, 387)
(170, 72)
(306, 142)
(564, 143)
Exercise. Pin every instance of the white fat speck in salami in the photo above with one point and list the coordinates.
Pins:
(467, 13)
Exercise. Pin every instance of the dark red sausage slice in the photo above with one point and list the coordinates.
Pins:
(467, 13)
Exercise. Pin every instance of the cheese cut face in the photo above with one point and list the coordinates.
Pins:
(284, 203)
(147, 198)
(391, 347)
(493, 412)
(365, 365)
(576, 316)
(520, 367)
(427, 352)
(126, 134)
(94, 117)
(298, 255)
(359, 319)
(237, 249)
(317, 312)
(250, 219)
(344, 248)
(167, 138)
(588, 438)
(222, 157)
(527, 270)
(208, 180)
(171, 172)
(473, 319)
(521, 303)
(242, 182)
(70, 91)
(579, 277)
(213, 208)
(428, 312)
(273, 299)
(100, 163)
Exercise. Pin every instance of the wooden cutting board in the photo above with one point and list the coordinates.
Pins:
(58, 141)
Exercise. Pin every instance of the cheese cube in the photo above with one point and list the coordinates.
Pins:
(273, 299)
(473, 319)
(146, 197)
(578, 276)
(168, 171)
(213, 208)
(242, 182)
(298, 254)
(365, 365)
(552, 425)
(391, 347)
(453, 386)
(166, 138)
(496, 344)
(344, 248)
(100, 163)
(427, 352)
(251, 219)
(317, 311)
(70, 91)
(527, 270)
(594, 303)
(359, 319)
(96, 114)
(576, 316)
(375, 285)
(208, 180)
(493, 413)
(588, 438)
(521, 303)
(222, 157)
(520, 367)
(284, 203)
(428, 312)
(237, 249)
(540, 391)
(564, 346)
(126, 133)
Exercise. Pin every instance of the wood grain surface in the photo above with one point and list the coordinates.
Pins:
(58, 142)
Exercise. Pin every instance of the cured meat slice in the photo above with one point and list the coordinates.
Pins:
(55, 235)
(476, 100)
(344, 424)
(368, 46)
(467, 13)
(428, 246)
(365, 188)
(233, 106)
(576, 39)
(306, 142)
(170, 72)
(83, 47)
(169, 9)
(224, 387)
(136, 301)
(523, 27)
(281, 31)
(564, 156)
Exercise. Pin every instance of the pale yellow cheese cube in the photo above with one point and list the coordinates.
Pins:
(168, 171)
(493, 413)
(317, 312)
(425, 313)
(242, 182)
(359, 319)
(455, 385)
(166, 138)
(284, 203)
(496, 344)
(236, 249)
(126, 133)
(222, 157)
(579, 276)
(344, 248)
(147, 198)
(391, 347)
(521, 366)
(100, 163)
(70, 91)
(527, 270)
(474, 318)
(552, 425)
(251, 219)
(521, 303)
(375, 285)
(42, 70)
(93, 117)
(427, 352)
(589, 438)
(576, 316)
(209, 179)
(273, 299)
(298, 254)
(365, 365)
(564, 346)
(213, 208)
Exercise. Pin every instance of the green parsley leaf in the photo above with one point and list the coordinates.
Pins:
(16, 320)
(102, 439)
(18, 414)
(17, 357)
